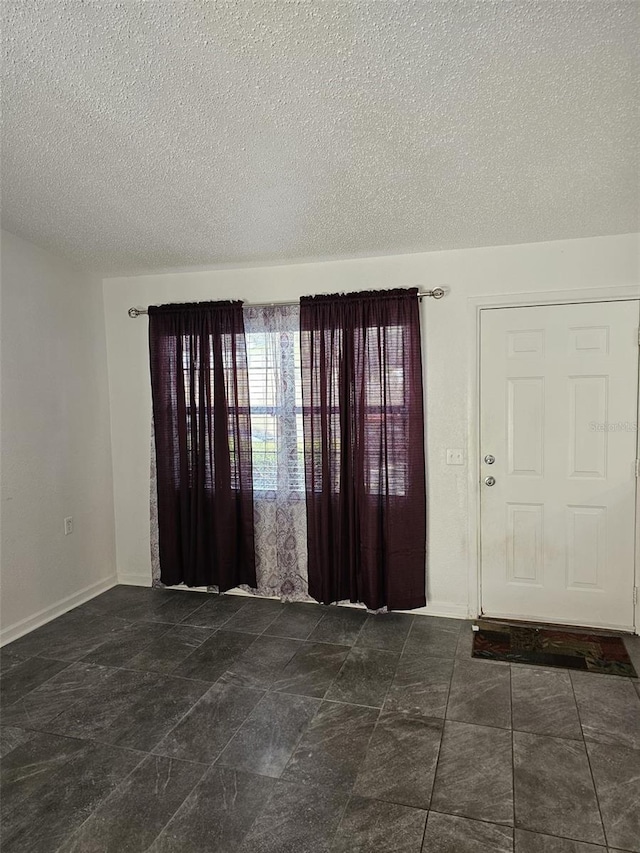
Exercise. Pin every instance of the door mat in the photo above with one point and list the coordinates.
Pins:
(552, 647)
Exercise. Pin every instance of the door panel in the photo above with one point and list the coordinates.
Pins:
(559, 402)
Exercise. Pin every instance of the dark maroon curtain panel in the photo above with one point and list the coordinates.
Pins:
(200, 390)
(364, 448)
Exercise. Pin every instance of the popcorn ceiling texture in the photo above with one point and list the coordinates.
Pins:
(141, 136)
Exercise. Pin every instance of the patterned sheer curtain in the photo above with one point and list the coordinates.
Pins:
(280, 522)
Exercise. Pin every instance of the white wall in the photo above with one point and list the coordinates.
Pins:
(562, 265)
(55, 441)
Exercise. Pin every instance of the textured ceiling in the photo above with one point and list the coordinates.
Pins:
(141, 136)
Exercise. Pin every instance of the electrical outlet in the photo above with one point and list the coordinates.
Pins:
(68, 525)
(455, 457)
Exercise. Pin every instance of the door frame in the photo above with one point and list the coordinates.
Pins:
(475, 305)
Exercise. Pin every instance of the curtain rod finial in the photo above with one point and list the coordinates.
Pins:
(134, 312)
(437, 293)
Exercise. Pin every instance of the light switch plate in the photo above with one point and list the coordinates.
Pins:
(455, 457)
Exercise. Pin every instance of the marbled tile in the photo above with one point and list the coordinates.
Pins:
(55, 696)
(609, 709)
(152, 713)
(119, 649)
(215, 655)
(401, 760)
(543, 702)
(480, 693)
(464, 646)
(137, 811)
(365, 677)
(262, 663)
(433, 636)
(420, 686)
(312, 670)
(554, 791)
(339, 625)
(41, 824)
(474, 776)
(216, 611)
(632, 645)
(297, 620)
(178, 607)
(209, 726)
(28, 768)
(217, 814)
(69, 637)
(534, 842)
(448, 834)
(12, 737)
(386, 631)
(266, 740)
(255, 616)
(296, 819)
(25, 677)
(616, 772)
(333, 747)
(121, 596)
(9, 659)
(369, 826)
(170, 650)
(102, 704)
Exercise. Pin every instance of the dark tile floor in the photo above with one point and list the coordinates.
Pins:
(171, 722)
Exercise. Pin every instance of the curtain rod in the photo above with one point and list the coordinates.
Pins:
(436, 293)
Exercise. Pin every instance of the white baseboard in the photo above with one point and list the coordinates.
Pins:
(134, 580)
(30, 623)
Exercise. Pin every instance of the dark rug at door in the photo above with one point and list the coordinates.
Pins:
(552, 647)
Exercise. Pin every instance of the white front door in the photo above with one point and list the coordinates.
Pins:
(559, 405)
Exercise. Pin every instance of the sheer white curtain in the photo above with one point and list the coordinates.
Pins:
(280, 521)
(275, 389)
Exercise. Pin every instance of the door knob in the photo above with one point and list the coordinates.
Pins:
(490, 481)
(489, 459)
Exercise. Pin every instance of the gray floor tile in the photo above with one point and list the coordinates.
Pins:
(616, 772)
(170, 650)
(69, 637)
(543, 702)
(534, 842)
(137, 811)
(55, 696)
(27, 676)
(262, 663)
(386, 631)
(464, 646)
(297, 620)
(420, 686)
(216, 611)
(9, 659)
(339, 625)
(215, 655)
(312, 670)
(434, 636)
(266, 740)
(209, 726)
(400, 764)
(255, 616)
(42, 823)
(12, 737)
(632, 645)
(118, 598)
(609, 709)
(554, 791)
(102, 705)
(145, 721)
(474, 777)
(29, 767)
(179, 607)
(449, 834)
(369, 826)
(480, 693)
(217, 814)
(333, 747)
(296, 819)
(365, 677)
(119, 649)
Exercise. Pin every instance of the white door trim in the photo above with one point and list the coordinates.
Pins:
(476, 304)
